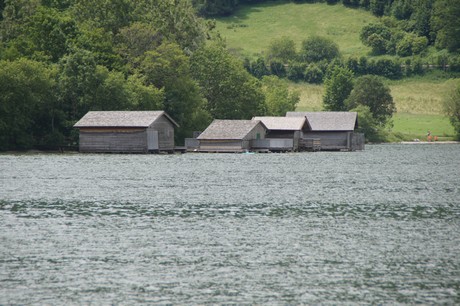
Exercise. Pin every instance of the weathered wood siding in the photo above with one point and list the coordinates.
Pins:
(224, 145)
(116, 142)
(333, 140)
(165, 133)
(357, 141)
(273, 144)
(258, 132)
(330, 140)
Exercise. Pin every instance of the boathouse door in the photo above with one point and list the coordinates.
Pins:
(152, 140)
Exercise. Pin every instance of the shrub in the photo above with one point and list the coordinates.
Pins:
(277, 68)
(316, 48)
(295, 71)
(313, 74)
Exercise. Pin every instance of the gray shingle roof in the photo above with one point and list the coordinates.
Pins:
(229, 129)
(282, 123)
(121, 119)
(328, 121)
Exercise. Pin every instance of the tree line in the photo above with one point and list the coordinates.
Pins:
(62, 58)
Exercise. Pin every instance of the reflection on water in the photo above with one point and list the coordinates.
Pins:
(379, 226)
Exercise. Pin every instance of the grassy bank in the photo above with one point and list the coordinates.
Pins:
(415, 126)
(252, 28)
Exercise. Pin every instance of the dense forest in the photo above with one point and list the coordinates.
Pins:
(61, 58)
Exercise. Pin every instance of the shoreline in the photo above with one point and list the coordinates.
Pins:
(429, 142)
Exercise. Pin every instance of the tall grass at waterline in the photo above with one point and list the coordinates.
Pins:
(250, 30)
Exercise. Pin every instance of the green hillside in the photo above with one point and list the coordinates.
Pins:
(249, 31)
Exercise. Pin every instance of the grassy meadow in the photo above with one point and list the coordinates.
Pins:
(250, 31)
(418, 99)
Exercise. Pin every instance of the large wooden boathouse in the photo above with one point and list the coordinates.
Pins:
(126, 132)
(330, 131)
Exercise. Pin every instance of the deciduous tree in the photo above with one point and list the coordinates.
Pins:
(337, 89)
(369, 90)
(230, 91)
(446, 23)
(278, 98)
(317, 48)
(26, 103)
(451, 102)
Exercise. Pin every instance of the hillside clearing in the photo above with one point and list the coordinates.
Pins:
(251, 29)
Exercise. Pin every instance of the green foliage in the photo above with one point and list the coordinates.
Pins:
(337, 89)
(316, 48)
(259, 68)
(385, 67)
(451, 104)
(277, 68)
(135, 40)
(377, 36)
(446, 23)
(110, 15)
(27, 103)
(411, 44)
(215, 7)
(231, 92)
(51, 32)
(370, 91)
(76, 84)
(174, 19)
(368, 125)
(282, 49)
(141, 96)
(278, 98)
(295, 71)
(168, 67)
(313, 74)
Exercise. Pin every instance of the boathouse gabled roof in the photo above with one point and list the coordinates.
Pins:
(283, 123)
(229, 129)
(328, 121)
(107, 119)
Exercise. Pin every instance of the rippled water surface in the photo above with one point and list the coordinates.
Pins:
(380, 226)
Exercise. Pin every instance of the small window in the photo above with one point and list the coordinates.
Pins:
(258, 136)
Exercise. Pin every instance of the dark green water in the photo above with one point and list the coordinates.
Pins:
(375, 227)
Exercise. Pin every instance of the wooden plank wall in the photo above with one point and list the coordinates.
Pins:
(330, 140)
(133, 142)
(223, 145)
(165, 133)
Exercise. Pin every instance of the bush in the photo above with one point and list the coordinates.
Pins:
(411, 44)
(316, 48)
(277, 68)
(259, 68)
(313, 74)
(377, 36)
(295, 71)
(373, 132)
(386, 68)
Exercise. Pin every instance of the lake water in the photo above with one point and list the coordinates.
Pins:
(380, 226)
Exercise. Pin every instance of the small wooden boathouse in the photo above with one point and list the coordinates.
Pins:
(231, 135)
(331, 131)
(283, 133)
(126, 132)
